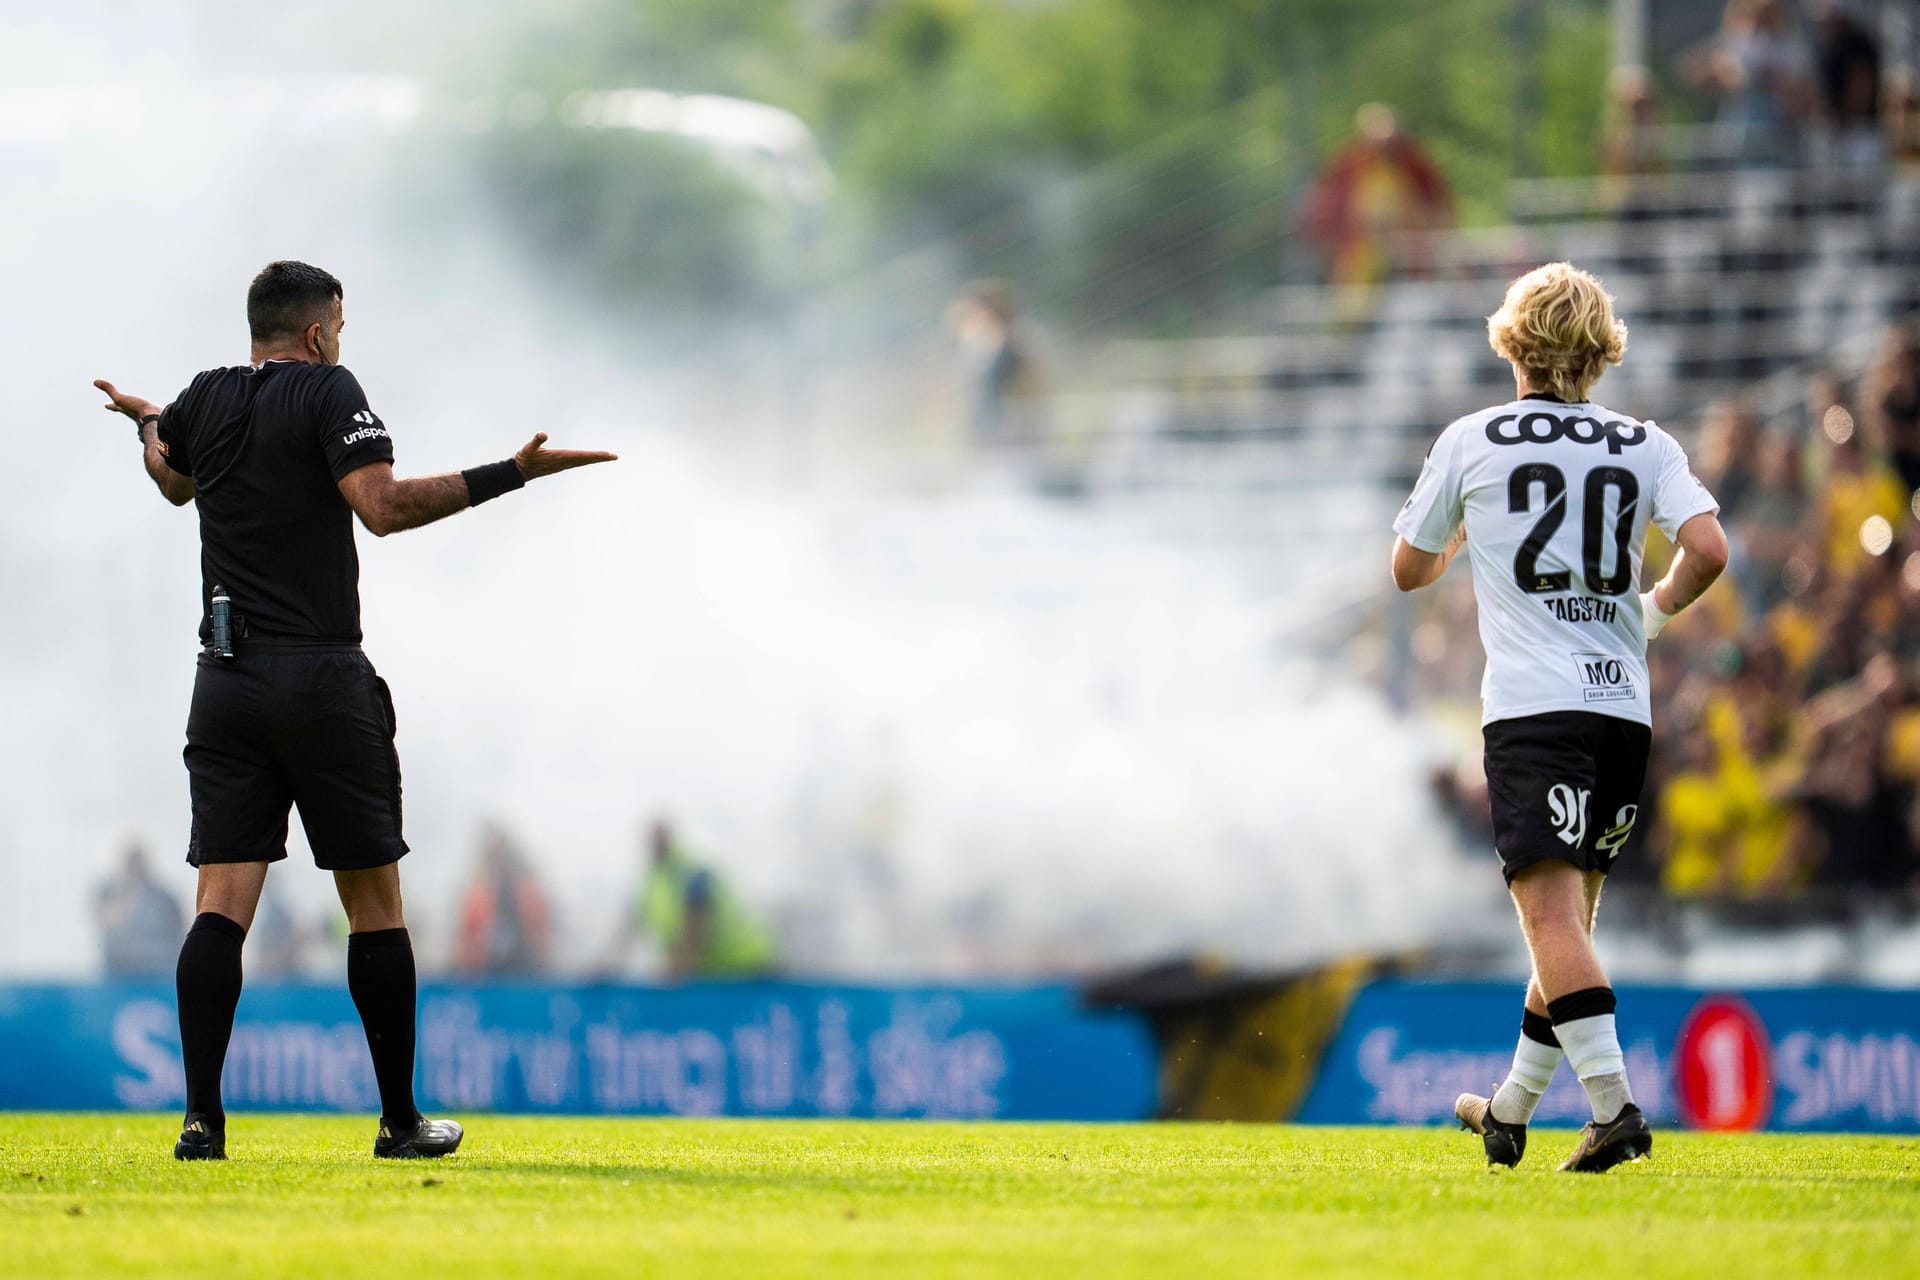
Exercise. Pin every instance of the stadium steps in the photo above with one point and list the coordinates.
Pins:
(1726, 280)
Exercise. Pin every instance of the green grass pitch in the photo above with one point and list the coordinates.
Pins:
(100, 1195)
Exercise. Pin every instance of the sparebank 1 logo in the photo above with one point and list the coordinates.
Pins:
(1723, 1066)
(1568, 808)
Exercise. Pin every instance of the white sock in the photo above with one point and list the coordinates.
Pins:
(1533, 1067)
(1593, 1047)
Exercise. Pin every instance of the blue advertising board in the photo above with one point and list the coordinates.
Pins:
(740, 1049)
(1829, 1058)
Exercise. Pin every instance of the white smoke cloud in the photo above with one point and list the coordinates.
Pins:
(955, 732)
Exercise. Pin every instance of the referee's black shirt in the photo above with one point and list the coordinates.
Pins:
(266, 449)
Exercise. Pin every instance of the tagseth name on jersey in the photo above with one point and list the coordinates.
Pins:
(1582, 609)
(1556, 499)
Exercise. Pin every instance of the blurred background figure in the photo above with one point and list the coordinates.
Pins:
(701, 928)
(1633, 145)
(1778, 515)
(1854, 805)
(1890, 397)
(1860, 487)
(1759, 70)
(1376, 203)
(1697, 827)
(1848, 59)
(1001, 367)
(140, 923)
(506, 928)
(1901, 106)
(1728, 454)
(278, 938)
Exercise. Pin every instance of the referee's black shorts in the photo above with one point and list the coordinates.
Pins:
(285, 725)
(1565, 786)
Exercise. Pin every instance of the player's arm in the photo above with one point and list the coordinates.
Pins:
(1700, 558)
(1414, 568)
(1432, 527)
(174, 487)
(387, 504)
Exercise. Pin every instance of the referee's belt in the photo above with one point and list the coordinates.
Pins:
(258, 641)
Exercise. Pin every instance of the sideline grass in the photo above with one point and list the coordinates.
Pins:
(100, 1195)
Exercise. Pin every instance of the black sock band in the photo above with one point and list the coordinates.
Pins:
(1575, 1005)
(380, 977)
(217, 923)
(1538, 1027)
(207, 982)
(488, 482)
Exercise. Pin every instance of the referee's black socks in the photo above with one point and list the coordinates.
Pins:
(208, 983)
(381, 980)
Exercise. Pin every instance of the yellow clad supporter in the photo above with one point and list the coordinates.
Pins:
(1795, 630)
(1698, 815)
(1698, 821)
(1902, 751)
(1763, 845)
(1858, 489)
(1753, 770)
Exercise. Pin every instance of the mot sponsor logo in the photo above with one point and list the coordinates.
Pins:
(1603, 677)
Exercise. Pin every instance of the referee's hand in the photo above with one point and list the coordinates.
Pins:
(536, 460)
(118, 401)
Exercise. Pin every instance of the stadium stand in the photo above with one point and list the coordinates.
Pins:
(1728, 280)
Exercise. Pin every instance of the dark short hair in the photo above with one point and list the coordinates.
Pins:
(286, 297)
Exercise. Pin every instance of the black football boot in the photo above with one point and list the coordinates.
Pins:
(1602, 1146)
(200, 1140)
(1505, 1143)
(425, 1140)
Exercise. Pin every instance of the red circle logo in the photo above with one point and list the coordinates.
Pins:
(1723, 1066)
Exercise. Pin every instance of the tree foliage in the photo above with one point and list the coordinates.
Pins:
(1126, 158)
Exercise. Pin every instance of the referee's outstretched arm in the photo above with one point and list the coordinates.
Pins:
(176, 488)
(386, 504)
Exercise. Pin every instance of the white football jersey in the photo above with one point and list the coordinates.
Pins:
(1556, 499)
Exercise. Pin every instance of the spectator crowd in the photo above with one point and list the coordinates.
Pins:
(1783, 92)
(680, 904)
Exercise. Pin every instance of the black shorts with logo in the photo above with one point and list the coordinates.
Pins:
(1565, 784)
(288, 724)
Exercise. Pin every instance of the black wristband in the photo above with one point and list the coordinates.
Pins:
(489, 482)
(140, 427)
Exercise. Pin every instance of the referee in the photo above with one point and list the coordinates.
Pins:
(279, 455)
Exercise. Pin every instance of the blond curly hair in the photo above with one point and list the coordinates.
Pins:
(1557, 325)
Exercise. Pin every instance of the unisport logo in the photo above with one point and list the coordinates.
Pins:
(371, 431)
(1568, 809)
